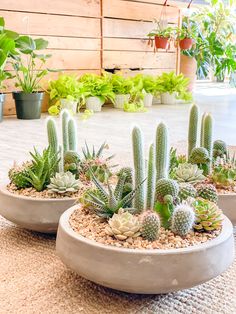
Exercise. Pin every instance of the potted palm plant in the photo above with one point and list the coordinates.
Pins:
(96, 90)
(29, 71)
(172, 87)
(161, 35)
(66, 92)
(7, 48)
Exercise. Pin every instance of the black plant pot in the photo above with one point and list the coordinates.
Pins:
(28, 106)
(2, 99)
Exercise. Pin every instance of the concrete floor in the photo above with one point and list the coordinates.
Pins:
(17, 137)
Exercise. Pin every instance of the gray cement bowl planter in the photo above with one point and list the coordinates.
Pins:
(144, 271)
(35, 214)
(227, 202)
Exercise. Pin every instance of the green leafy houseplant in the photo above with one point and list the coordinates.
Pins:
(29, 71)
(66, 87)
(174, 85)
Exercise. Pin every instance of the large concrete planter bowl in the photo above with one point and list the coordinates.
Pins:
(40, 215)
(144, 271)
(227, 202)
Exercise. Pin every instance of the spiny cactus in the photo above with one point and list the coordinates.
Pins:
(166, 187)
(219, 149)
(208, 192)
(65, 116)
(207, 139)
(192, 129)
(202, 130)
(150, 226)
(162, 152)
(186, 190)
(19, 175)
(151, 180)
(72, 135)
(139, 168)
(52, 135)
(182, 220)
(71, 160)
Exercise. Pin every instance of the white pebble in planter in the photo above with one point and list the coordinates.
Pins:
(148, 271)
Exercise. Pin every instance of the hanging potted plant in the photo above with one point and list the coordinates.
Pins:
(185, 36)
(122, 88)
(65, 92)
(7, 48)
(172, 87)
(96, 90)
(162, 36)
(28, 67)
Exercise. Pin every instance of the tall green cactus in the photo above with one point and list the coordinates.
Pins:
(139, 168)
(207, 139)
(65, 116)
(193, 128)
(72, 135)
(162, 152)
(202, 130)
(151, 180)
(52, 135)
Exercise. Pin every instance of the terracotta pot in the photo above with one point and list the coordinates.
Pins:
(188, 66)
(161, 42)
(186, 43)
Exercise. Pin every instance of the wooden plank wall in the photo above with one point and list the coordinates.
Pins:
(90, 35)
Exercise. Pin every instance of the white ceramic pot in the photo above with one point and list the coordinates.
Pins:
(94, 103)
(35, 214)
(147, 100)
(227, 202)
(120, 100)
(144, 270)
(69, 104)
(168, 99)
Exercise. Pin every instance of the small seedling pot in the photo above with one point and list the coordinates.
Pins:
(147, 100)
(186, 43)
(120, 100)
(94, 104)
(28, 106)
(71, 105)
(2, 99)
(161, 42)
(168, 99)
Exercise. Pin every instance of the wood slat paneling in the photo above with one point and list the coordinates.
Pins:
(138, 11)
(130, 59)
(129, 44)
(53, 25)
(68, 7)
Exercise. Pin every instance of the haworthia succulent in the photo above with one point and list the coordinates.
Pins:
(193, 129)
(139, 168)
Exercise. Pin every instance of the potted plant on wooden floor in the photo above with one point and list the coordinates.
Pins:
(29, 71)
(136, 228)
(173, 87)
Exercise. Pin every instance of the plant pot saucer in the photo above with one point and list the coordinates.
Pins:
(35, 214)
(227, 202)
(145, 271)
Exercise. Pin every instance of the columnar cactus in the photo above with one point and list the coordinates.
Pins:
(202, 130)
(162, 152)
(139, 168)
(65, 119)
(72, 135)
(207, 139)
(151, 180)
(182, 220)
(150, 226)
(193, 129)
(52, 135)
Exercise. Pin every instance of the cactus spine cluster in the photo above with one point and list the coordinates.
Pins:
(193, 129)
(162, 152)
(207, 139)
(151, 179)
(182, 219)
(139, 167)
(150, 226)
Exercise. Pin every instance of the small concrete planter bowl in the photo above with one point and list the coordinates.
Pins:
(144, 271)
(228, 204)
(40, 215)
